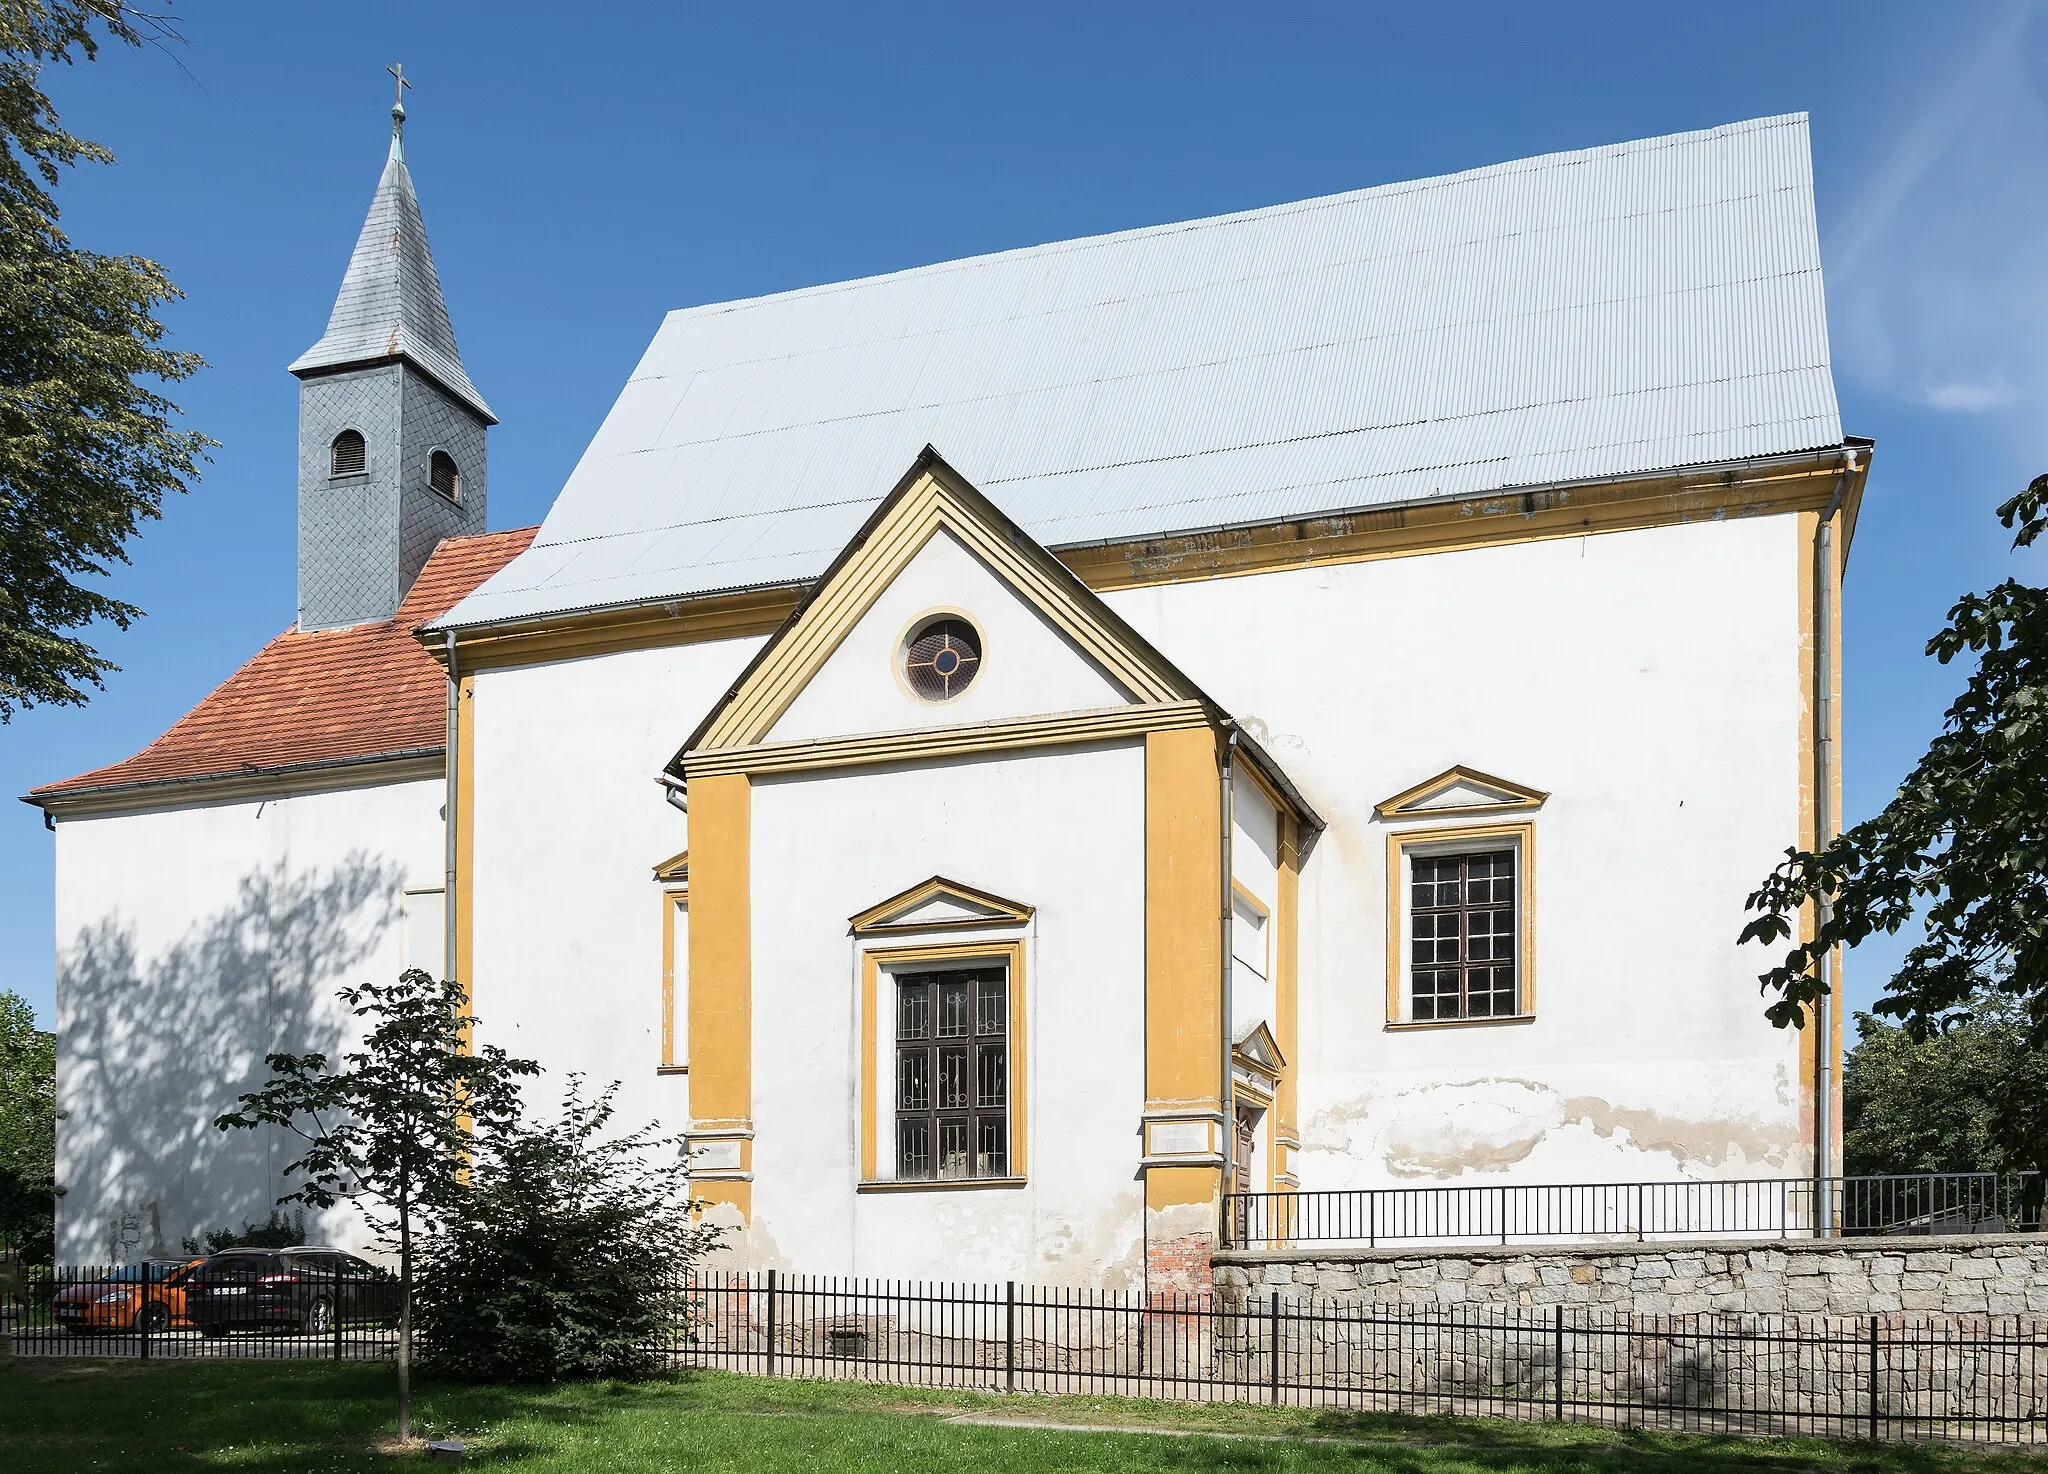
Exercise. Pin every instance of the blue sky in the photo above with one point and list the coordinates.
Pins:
(577, 184)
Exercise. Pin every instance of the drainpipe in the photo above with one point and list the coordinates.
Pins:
(448, 816)
(1824, 615)
(1229, 1125)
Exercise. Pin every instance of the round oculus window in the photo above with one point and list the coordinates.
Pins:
(941, 658)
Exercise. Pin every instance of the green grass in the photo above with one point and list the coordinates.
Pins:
(63, 1417)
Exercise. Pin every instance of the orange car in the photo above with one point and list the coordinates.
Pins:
(148, 1296)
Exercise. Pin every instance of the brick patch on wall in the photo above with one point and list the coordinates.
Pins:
(1180, 1266)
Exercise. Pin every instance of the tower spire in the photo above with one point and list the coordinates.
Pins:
(390, 304)
(397, 70)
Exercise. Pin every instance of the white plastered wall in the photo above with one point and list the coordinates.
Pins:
(191, 942)
(569, 822)
(1062, 832)
(1650, 682)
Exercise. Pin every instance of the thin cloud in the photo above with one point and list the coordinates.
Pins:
(1935, 279)
(1972, 398)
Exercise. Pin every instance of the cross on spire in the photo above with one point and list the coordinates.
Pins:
(397, 70)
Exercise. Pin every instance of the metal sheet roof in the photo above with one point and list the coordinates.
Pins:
(390, 303)
(1601, 313)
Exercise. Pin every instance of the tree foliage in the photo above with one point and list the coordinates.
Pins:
(1962, 848)
(88, 451)
(568, 1256)
(390, 1127)
(1968, 1098)
(275, 1232)
(28, 1130)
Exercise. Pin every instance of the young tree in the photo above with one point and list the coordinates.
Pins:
(392, 1127)
(87, 452)
(1963, 847)
(569, 1255)
(28, 1130)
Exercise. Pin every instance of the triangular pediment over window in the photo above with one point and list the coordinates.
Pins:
(1256, 1051)
(939, 904)
(1461, 791)
(675, 870)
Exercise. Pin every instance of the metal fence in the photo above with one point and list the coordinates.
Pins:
(1760, 1207)
(1878, 1377)
(147, 1311)
(1886, 1377)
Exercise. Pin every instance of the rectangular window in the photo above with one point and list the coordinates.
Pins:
(675, 981)
(953, 1074)
(1462, 936)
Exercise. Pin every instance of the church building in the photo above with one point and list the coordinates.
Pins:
(1021, 758)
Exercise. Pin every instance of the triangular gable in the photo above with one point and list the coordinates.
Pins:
(939, 904)
(1256, 1050)
(675, 870)
(1460, 791)
(930, 497)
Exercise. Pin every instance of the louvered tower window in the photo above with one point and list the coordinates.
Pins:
(347, 456)
(443, 475)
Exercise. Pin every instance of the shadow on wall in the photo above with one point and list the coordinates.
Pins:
(151, 1049)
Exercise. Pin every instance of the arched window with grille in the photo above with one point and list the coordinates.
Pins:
(444, 475)
(347, 455)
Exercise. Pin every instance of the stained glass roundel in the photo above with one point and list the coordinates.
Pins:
(941, 658)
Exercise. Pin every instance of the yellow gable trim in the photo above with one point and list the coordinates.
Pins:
(1105, 724)
(935, 499)
(883, 917)
(675, 870)
(1413, 803)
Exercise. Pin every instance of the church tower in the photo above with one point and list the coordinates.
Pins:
(391, 431)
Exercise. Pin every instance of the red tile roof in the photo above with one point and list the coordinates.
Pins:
(322, 696)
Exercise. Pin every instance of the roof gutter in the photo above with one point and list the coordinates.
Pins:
(46, 800)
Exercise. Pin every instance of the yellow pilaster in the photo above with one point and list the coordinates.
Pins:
(721, 992)
(463, 897)
(1286, 995)
(1183, 977)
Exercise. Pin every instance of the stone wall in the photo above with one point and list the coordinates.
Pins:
(2002, 1275)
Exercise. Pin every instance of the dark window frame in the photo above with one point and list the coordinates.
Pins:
(453, 490)
(952, 1090)
(1462, 932)
(358, 450)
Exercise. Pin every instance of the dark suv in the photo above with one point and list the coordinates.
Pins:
(302, 1289)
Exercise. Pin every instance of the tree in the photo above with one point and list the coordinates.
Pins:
(568, 1255)
(392, 1127)
(1932, 1104)
(87, 450)
(275, 1232)
(1963, 847)
(28, 1130)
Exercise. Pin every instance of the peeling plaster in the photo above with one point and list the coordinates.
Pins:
(1492, 1123)
(1712, 1141)
(1105, 1252)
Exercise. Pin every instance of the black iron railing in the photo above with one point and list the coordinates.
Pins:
(1895, 1376)
(1768, 1207)
(1864, 1376)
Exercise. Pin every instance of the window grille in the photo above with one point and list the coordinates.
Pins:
(942, 658)
(348, 455)
(953, 1074)
(443, 475)
(1461, 936)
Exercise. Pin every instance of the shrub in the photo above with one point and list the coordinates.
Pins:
(275, 1232)
(566, 1258)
